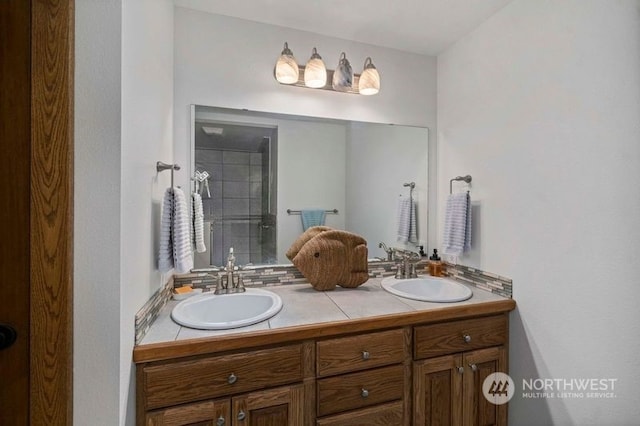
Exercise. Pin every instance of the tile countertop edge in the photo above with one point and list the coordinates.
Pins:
(223, 343)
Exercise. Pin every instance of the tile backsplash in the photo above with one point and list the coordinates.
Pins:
(288, 274)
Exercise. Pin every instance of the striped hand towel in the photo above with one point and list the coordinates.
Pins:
(165, 255)
(457, 224)
(407, 230)
(198, 223)
(182, 256)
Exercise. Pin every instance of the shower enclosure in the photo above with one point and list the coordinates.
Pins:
(239, 205)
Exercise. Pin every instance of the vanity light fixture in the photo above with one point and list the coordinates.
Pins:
(286, 71)
(343, 75)
(369, 83)
(315, 75)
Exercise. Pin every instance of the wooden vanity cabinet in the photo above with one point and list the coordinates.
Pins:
(447, 389)
(238, 389)
(364, 379)
(280, 406)
(408, 373)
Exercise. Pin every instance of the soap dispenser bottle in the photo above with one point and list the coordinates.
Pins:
(435, 265)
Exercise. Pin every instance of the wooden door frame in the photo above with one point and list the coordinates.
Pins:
(51, 212)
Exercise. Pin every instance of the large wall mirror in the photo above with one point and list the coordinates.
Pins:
(262, 169)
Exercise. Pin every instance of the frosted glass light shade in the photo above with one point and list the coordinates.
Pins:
(343, 75)
(286, 70)
(315, 72)
(369, 83)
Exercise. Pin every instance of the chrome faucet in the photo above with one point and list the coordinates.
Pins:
(406, 263)
(389, 251)
(231, 280)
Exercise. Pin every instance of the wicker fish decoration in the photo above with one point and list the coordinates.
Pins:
(328, 257)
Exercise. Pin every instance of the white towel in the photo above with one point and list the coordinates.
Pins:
(407, 231)
(198, 223)
(457, 224)
(165, 255)
(182, 256)
(175, 239)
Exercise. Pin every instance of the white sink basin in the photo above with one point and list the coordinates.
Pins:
(224, 311)
(427, 289)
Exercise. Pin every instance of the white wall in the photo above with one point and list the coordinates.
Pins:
(227, 62)
(147, 137)
(380, 159)
(540, 105)
(123, 116)
(97, 151)
(311, 174)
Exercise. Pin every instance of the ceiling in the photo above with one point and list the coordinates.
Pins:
(232, 136)
(420, 26)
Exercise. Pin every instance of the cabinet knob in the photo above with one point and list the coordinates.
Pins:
(366, 355)
(232, 379)
(241, 415)
(364, 393)
(220, 421)
(473, 367)
(467, 338)
(460, 369)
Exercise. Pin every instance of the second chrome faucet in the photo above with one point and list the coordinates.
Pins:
(230, 280)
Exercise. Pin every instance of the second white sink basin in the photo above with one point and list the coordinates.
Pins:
(224, 311)
(427, 289)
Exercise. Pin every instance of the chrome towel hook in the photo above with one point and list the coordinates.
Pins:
(160, 167)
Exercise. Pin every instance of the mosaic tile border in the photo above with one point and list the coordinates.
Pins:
(485, 280)
(288, 274)
(149, 312)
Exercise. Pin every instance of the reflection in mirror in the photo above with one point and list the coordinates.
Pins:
(260, 165)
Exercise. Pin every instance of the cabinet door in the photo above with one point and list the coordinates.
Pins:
(207, 413)
(273, 407)
(437, 391)
(478, 365)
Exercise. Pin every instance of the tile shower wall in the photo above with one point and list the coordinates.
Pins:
(233, 213)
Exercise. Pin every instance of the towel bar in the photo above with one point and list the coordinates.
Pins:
(289, 211)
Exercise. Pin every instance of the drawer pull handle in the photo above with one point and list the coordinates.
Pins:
(232, 379)
(460, 369)
(220, 421)
(473, 367)
(364, 393)
(467, 338)
(366, 355)
(241, 415)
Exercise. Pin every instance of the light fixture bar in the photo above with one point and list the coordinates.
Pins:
(300, 83)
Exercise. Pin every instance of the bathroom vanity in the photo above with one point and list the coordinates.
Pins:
(375, 359)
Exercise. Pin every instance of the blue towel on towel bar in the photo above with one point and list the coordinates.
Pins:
(312, 217)
(457, 224)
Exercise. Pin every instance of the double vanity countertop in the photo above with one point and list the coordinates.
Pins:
(307, 314)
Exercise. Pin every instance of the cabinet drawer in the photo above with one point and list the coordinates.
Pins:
(356, 390)
(380, 415)
(457, 336)
(194, 380)
(346, 354)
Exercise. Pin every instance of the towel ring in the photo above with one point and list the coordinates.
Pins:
(466, 179)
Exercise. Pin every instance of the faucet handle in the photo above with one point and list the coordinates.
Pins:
(413, 273)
